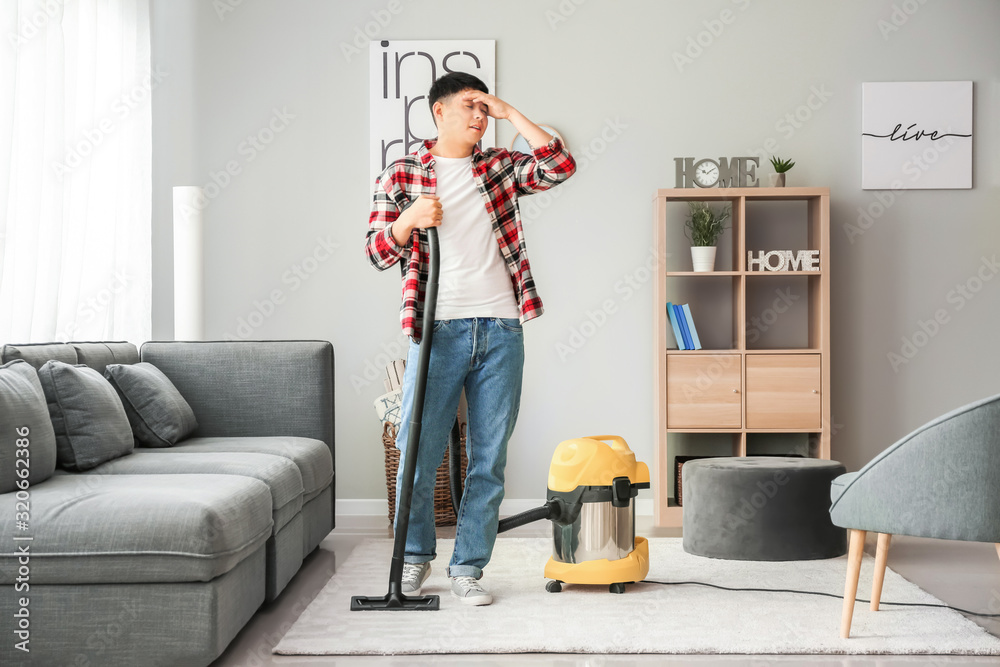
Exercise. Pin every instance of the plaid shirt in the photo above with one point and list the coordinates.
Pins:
(501, 176)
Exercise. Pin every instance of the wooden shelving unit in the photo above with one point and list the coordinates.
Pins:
(744, 390)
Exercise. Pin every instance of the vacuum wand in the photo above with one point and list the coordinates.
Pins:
(394, 599)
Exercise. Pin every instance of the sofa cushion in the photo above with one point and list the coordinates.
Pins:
(312, 457)
(94, 529)
(99, 355)
(279, 473)
(159, 415)
(87, 415)
(26, 427)
(37, 354)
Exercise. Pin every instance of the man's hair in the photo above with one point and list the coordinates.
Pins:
(451, 83)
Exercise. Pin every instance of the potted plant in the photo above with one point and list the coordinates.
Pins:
(780, 167)
(703, 227)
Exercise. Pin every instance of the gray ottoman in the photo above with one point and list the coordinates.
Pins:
(761, 508)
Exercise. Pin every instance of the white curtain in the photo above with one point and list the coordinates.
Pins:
(75, 162)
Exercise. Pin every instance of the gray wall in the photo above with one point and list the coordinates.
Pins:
(607, 79)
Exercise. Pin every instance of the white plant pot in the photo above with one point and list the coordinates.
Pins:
(777, 180)
(703, 258)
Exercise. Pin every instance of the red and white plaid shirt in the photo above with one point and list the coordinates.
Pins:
(501, 177)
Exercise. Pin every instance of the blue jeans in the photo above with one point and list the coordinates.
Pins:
(486, 356)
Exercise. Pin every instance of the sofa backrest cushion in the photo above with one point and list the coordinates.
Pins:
(159, 415)
(99, 355)
(27, 441)
(90, 423)
(37, 354)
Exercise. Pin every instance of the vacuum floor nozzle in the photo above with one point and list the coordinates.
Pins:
(396, 601)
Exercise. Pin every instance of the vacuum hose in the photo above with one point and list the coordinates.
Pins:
(550, 510)
(455, 465)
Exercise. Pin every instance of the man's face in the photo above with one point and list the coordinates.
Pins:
(460, 118)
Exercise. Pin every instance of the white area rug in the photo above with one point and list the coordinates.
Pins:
(648, 618)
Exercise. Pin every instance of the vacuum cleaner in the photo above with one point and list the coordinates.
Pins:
(591, 496)
(592, 487)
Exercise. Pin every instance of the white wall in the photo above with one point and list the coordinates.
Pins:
(607, 65)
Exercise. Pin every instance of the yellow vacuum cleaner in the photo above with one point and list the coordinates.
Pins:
(593, 483)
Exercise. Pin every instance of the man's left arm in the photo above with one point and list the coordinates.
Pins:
(549, 162)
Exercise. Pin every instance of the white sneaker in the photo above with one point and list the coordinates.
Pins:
(469, 591)
(414, 576)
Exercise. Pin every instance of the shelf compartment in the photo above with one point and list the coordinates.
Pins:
(783, 391)
(674, 234)
(781, 225)
(780, 313)
(714, 308)
(704, 389)
(777, 443)
(783, 443)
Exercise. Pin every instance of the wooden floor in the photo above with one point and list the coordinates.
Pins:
(962, 574)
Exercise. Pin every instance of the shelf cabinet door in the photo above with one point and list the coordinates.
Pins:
(703, 391)
(783, 391)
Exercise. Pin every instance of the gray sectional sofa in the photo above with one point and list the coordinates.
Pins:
(161, 555)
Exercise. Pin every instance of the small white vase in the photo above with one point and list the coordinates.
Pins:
(777, 180)
(703, 258)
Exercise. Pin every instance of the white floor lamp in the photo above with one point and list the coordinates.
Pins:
(189, 321)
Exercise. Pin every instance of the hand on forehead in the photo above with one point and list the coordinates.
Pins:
(473, 95)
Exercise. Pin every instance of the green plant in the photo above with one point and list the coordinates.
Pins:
(781, 166)
(704, 226)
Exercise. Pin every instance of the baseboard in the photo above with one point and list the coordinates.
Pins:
(377, 507)
(361, 507)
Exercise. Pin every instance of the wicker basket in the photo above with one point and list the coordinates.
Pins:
(444, 514)
(679, 462)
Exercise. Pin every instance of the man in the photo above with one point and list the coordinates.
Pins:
(486, 293)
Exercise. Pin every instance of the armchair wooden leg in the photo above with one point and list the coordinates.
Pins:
(881, 556)
(854, 555)
(998, 548)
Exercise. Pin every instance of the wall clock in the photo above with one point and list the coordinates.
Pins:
(733, 172)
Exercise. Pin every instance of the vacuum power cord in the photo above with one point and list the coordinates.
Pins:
(829, 595)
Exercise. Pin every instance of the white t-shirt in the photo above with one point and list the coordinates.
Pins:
(473, 280)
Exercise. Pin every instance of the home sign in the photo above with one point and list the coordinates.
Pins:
(783, 260)
(733, 172)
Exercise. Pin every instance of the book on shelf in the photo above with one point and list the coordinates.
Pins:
(675, 326)
(690, 323)
(671, 339)
(682, 321)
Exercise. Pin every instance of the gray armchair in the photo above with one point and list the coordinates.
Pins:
(941, 481)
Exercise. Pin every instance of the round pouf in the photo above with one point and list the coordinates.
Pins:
(761, 508)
